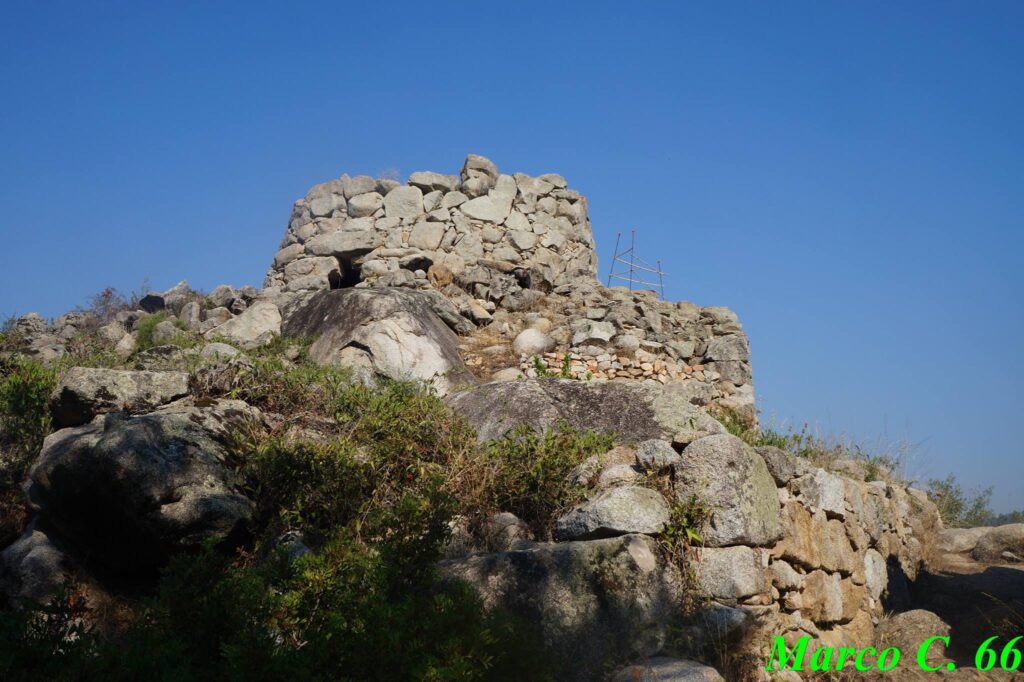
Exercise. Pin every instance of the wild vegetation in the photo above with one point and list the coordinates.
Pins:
(25, 387)
(373, 480)
(820, 450)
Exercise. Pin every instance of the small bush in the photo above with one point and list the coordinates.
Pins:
(24, 423)
(531, 477)
(958, 509)
(24, 415)
(144, 330)
(49, 642)
(305, 485)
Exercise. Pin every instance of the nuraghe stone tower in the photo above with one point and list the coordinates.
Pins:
(501, 247)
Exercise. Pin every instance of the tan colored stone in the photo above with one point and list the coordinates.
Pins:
(822, 597)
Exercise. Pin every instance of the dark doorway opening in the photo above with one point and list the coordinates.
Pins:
(348, 275)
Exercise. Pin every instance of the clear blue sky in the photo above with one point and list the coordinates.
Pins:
(847, 176)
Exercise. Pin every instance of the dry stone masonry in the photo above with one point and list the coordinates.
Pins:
(516, 254)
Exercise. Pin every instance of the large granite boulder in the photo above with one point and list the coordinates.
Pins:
(128, 491)
(395, 333)
(84, 392)
(958, 540)
(256, 326)
(664, 669)
(617, 511)
(730, 478)
(994, 545)
(634, 412)
(591, 601)
(33, 567)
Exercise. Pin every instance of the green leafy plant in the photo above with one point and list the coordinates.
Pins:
(145, 328)
(24, 415)
(541, 368)
(531, 477)
(566, 371)
(957, 508)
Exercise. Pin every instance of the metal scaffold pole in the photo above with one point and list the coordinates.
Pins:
(634, 265)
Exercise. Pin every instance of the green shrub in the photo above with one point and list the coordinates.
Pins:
(144, 330)
(305, 485)
(24, 415)
(49, 642)
(531, 477)
(403, 425)
(958, 509)
(24, 423)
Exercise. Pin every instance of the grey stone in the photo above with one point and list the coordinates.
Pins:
(112, 332)
(476, 166)
(191, 314)
(594, 331)
(784, 576)
(782, 466)
(821, 490)
(399, 331)
(432, 202)
(508, 374)
(363, 205)
(429, 181)
(165, 332)
(991, 545)
(344, 245)
(404, 202)
(532, 342)
(84, 392)
(506, 532)
(730, 573)
(730, 478)
(426, 235)
(876, 573)
(224, 295)
(453, 199)
(360, 184)
(133, 490)
(34, 566)
(584, 597)
(634, 412)
(617, 474)
(219, 351)
(522, 240)
(617, 511)
(256, 327)
(656, 455)
(958, 540)
(664, 669)
(487, 208)
(732, 347)
(554, 179)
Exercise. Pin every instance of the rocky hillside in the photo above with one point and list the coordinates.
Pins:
(433, 446)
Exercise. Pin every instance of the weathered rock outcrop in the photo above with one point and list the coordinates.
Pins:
(664, 669)
(634, 412)
(592, 601)
(128, 491)
(393, 333)
(84, 392)
(33, 567)
(617, 511)
(733, 480)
